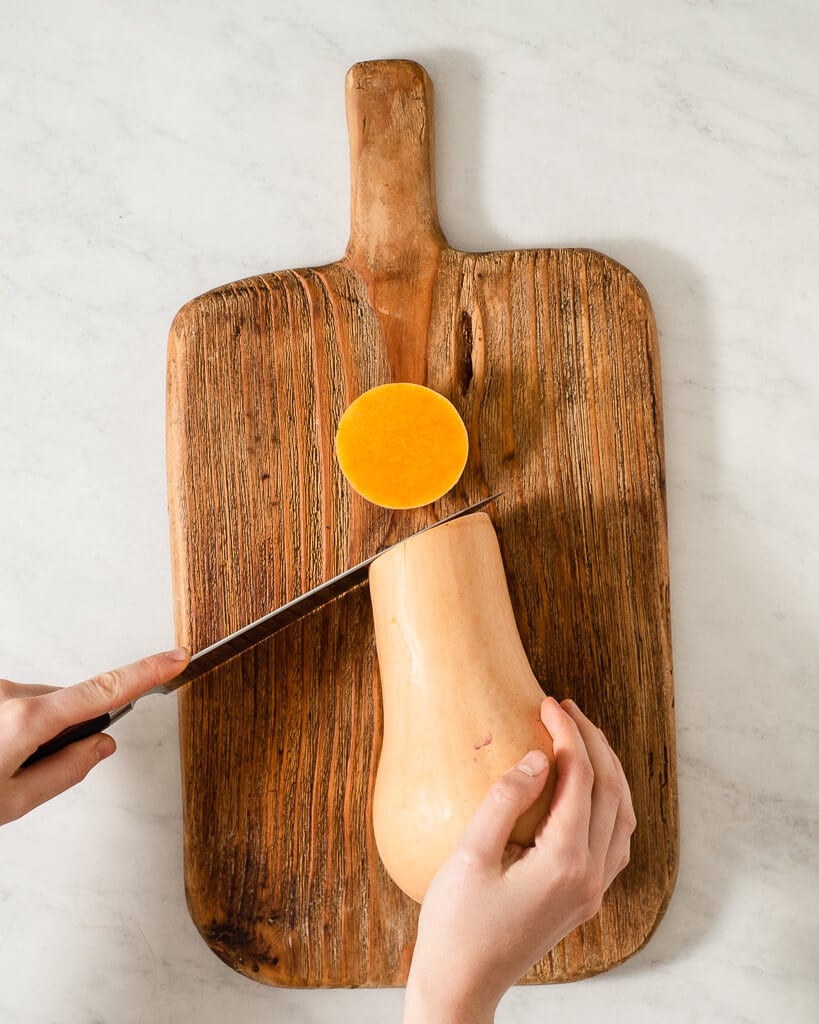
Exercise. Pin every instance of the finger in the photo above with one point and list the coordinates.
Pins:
(106, 692)
(619, 851)
(490, 827)
(570, 809)
(9, 690)
(608, 788)
(57, 773)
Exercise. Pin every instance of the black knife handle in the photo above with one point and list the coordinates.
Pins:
(69, 735)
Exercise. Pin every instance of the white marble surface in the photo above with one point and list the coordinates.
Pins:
(152, 150)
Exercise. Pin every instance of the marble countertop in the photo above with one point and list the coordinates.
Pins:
(154, 150)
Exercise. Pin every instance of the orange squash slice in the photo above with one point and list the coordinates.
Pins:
(401, 445)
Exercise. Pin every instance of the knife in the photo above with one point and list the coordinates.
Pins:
(225, 650)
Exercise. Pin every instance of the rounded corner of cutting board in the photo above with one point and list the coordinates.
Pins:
(615, 266)
(216, 302)
(651, 923)
(232, 943)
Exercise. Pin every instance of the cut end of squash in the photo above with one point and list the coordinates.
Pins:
(401, 445)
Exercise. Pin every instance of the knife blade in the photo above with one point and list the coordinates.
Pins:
(230, 647)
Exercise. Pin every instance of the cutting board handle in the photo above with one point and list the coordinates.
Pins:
(393, 217)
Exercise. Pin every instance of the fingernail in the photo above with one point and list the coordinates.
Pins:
(178, 654)
(105, 748)
(533, 763)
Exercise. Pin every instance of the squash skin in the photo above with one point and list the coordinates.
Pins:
(461, 705)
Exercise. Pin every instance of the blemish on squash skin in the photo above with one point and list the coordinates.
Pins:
(484, 743)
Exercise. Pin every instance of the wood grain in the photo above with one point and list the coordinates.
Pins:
(550, 355)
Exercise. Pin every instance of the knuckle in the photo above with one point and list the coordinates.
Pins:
(77, 770)
(106, 687)
(584, 880)
(592, 908)
(575, 874)
(585, 773)
(591, 897)
(611, 785)
(506, 791)
(465, 859)
(20, 714)
(154, 668)
(631, 821)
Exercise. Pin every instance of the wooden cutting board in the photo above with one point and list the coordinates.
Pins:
(550, 355)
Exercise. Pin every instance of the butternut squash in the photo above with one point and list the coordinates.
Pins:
(461, 705)
(401, 445)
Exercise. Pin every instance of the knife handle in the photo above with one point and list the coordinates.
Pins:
(69, 735)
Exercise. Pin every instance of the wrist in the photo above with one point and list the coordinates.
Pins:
(429, 1004)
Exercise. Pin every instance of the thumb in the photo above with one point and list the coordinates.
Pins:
(59, 772)
(490, 827)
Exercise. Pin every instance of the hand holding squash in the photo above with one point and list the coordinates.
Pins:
(495, 908)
